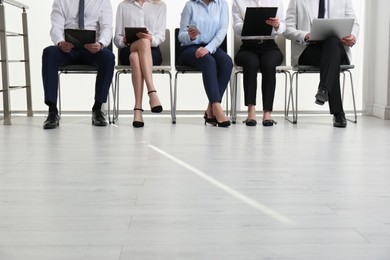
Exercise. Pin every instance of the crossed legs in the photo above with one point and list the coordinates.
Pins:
(141, 62)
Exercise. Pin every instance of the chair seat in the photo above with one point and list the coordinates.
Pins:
(278, 68)
(308, 68)
(127, 68)
(76, 67)
(183, 68)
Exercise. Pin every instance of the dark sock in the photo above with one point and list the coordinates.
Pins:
(52, 107)
(97, 106)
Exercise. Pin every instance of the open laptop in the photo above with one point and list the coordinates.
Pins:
(254, 21)
(325, 28)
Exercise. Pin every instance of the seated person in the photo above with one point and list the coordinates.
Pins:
(328, 54)
(143, 53)
(63, 16)
(203, 28)
(259, 53)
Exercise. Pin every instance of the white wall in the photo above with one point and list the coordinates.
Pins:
(191, 95)
(377, 65)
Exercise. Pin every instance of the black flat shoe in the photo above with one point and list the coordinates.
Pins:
(339, 120)
(52, 121)
(250, 122)
(138, 124)
(99, 118)
(322, 96)
(156, 109)
(269, 122)
(209, 120)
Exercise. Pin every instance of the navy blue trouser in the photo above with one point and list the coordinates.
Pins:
(216, 70)
(328, 55)
(53, 57)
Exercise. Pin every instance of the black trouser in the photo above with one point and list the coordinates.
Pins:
(328, 55)
(264, 56)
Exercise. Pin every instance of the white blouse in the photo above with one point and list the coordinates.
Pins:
(152, 15)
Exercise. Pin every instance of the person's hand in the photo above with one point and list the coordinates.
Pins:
(307, 37)
(124, 40)
(274, 22)
(200, 52)
(65, 46)
(193, 32)
(143, 35)
(349, 40)
(93, 47)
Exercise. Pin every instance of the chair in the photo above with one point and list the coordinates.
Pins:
(164, 68)
(301, 69)
(185, 70)
(79, 69)
(281, 42)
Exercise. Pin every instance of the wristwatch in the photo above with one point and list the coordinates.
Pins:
(101, 46)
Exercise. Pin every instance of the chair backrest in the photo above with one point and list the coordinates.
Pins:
(165, 49)
(177, 44)
(280, 41)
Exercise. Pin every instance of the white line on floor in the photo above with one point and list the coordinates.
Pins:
(247, 200)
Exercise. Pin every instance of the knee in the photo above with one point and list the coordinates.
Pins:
(50, 51)
(108, 57)
(332, 41)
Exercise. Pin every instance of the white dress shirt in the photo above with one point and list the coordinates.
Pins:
(97, 16)
(316, 5)
(152, 15)
(239, 9)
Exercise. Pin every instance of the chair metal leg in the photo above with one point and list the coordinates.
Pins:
(115, 94)
(173, 112)
(59, 94)
(353, 95)
(294, 105)
(233, 113)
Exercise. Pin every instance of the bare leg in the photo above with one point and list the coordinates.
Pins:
(267, 115)
(251, 112)
(218, 112)
(142, 47)
(138, 82)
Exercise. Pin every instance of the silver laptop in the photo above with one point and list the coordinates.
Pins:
(325, 28)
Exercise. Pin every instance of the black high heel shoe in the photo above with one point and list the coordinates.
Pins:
(209, 120)
(223, 124)
(156, 109)
(138, 124)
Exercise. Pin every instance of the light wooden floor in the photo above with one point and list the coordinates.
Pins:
(189, 191)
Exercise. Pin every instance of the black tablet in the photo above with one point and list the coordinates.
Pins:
(254, 21)
(80, 37)
(131, 33)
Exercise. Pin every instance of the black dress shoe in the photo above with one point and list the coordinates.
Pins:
(52, 121)
(322, 96)
(99, 118)
(339, 120)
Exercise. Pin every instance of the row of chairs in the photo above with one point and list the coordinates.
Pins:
(291, 74)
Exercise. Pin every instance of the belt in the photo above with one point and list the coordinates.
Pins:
(258, 41)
